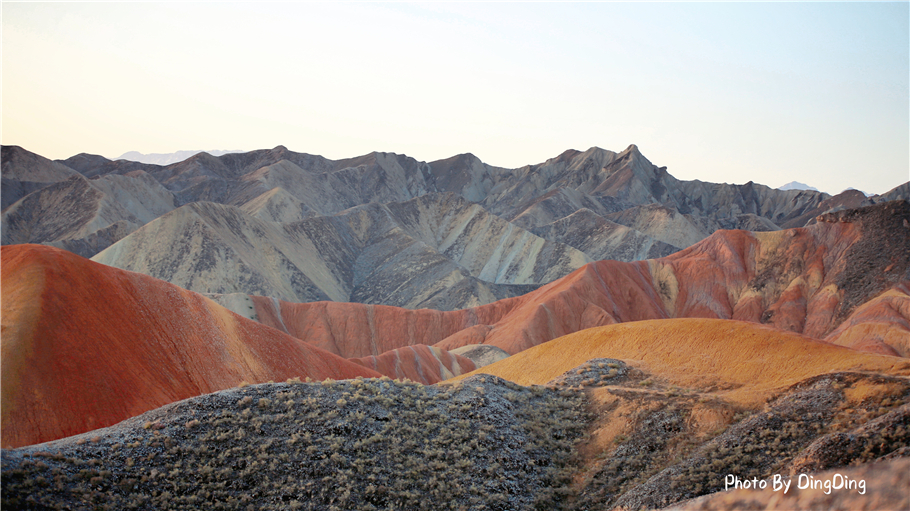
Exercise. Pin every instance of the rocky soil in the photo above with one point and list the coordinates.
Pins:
(357, 444)
(603, 435)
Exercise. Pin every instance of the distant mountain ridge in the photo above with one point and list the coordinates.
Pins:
(796, 185)
(594, 204)
(168, 158)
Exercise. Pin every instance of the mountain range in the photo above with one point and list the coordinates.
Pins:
(796, 185)
(168, 158)
(380, 228)
(584, 333)
(844, 280)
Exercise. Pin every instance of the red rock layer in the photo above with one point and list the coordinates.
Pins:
(805, 280)
(85, 346)
(358, 330)
(420, 363)
(880, 325)
(788, 279)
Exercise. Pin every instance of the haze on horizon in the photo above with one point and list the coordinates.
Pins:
(721, 92)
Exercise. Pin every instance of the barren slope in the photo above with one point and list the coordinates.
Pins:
(600, 238)
(879, 325)
(422, 364)
(662, 223)
(743, 362)
(436, 251)
(86, 216)
(25, 172)
(360, 330)
(75, 360)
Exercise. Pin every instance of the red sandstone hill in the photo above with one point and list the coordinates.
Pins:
(844, 279)
(426, 364)
(85, 346)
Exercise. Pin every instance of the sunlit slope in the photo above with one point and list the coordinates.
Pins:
(741, 360)
(85, 346)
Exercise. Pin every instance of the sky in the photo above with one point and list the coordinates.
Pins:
(720, 92)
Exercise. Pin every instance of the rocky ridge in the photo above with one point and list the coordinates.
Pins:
(590, 192)
(436, 251)
(357, 444)
(618, 436)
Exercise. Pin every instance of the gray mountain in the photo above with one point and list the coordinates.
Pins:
(600, 238)
(607, 183)
(602, 181)
(474, 230)
(612, 182)
(85, 215)
(25, 172)
(896, 193)
(437, 250)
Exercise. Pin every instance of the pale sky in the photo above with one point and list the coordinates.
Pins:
(721, 92)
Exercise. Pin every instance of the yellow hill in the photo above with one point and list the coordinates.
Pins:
(741, 361)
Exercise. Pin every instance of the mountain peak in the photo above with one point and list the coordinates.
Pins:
(566, 155)
(169, 158)
(202, 156)
(796, 185)
(463, 159)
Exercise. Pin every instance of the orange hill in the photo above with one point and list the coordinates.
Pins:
(808, 280)
(85, 346)
(743, 360)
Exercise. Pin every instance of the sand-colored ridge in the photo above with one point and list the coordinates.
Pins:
(76, 360)
(741, 361)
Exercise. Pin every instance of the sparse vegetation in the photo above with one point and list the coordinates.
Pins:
(657, 465)
(359, 444)
(482, 443)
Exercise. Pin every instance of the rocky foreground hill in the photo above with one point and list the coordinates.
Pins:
(456, 232)
(604, 434)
